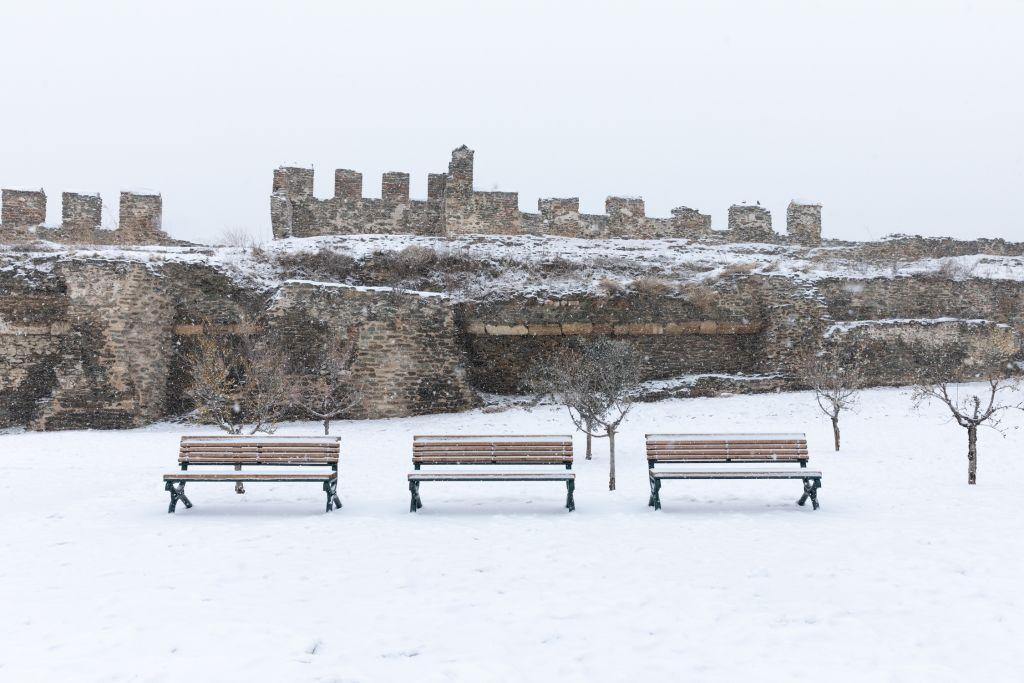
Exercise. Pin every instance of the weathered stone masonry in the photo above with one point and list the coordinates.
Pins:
(140, 219)
(101, 343)
(407, 360)
(454, 207)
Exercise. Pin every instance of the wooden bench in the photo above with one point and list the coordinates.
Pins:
(297, 452)
(728, 449)
(478, 451)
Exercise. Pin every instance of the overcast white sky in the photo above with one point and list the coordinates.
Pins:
(897, 116)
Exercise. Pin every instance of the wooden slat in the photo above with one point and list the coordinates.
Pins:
(261, 438)
(736, 474)
(509, 438)
(738, 448)
(737, 436)
(249, 476)
(491, 476)
(480, 445)
(491, 449)
(220, 449)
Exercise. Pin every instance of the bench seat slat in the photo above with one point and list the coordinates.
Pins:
(250, 476)
(491, 476)
(492, 449)
(735, 474)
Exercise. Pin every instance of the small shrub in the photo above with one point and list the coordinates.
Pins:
(28, 247)
(739, 268)
(954, 269)
(558, 266)
(650, 286)
(702, 297)
(324, 265)
(237, 237)
(610, 287)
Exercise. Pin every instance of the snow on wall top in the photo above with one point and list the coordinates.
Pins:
(540, 266)
(847, 325)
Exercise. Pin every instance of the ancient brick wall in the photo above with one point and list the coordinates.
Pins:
(906, 352)
(140, 219)
(295, 212)
(803, 223)
(674, 336)
(407, 358)
(90, 348)
(454, 207)
(750, 224)
(924, 296)
(101, 343)
(23, 208)
(81, 214)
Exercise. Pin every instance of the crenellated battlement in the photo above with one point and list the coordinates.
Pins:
(140, 215)
(453, 207)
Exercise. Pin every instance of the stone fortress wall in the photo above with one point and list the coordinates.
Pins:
(140, 219)
(99, 340)
(454, 207)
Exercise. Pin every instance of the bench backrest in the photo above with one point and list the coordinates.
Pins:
(721, 448)
(465, 449)
(259, 450)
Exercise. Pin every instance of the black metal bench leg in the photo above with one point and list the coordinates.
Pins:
(330, 488)
(414, 496)
(656, 493)
(650, 501)
(570, 486)
(177, 493)
(811, 487)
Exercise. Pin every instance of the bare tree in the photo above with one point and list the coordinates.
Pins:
(330, 393)
(548, 378)
(971, 409)
(238, 382)
(597, 382)
(836, 382)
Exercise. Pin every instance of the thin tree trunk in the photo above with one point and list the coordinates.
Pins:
(611, 459)
(327, 426)
(972, 454)
(590, 444)
(835, 430)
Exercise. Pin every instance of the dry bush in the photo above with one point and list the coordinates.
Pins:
(424, 267)
(238, 382)
(28, 247)
(238, 237)
(326, 265)
(739, 268)
(559, 266)
(650, 286)
(700, 296)
(955, 269)
(610, 287)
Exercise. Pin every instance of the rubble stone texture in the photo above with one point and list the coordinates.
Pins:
(453, 207)
(140, 219)
(803, 223)
(749, 224)
(101, 342)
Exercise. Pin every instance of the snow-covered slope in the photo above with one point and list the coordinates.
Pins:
(905, 573)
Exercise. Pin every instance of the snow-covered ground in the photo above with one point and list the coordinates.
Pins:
(904, 574)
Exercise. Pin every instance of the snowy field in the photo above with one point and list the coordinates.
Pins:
(904, 574)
